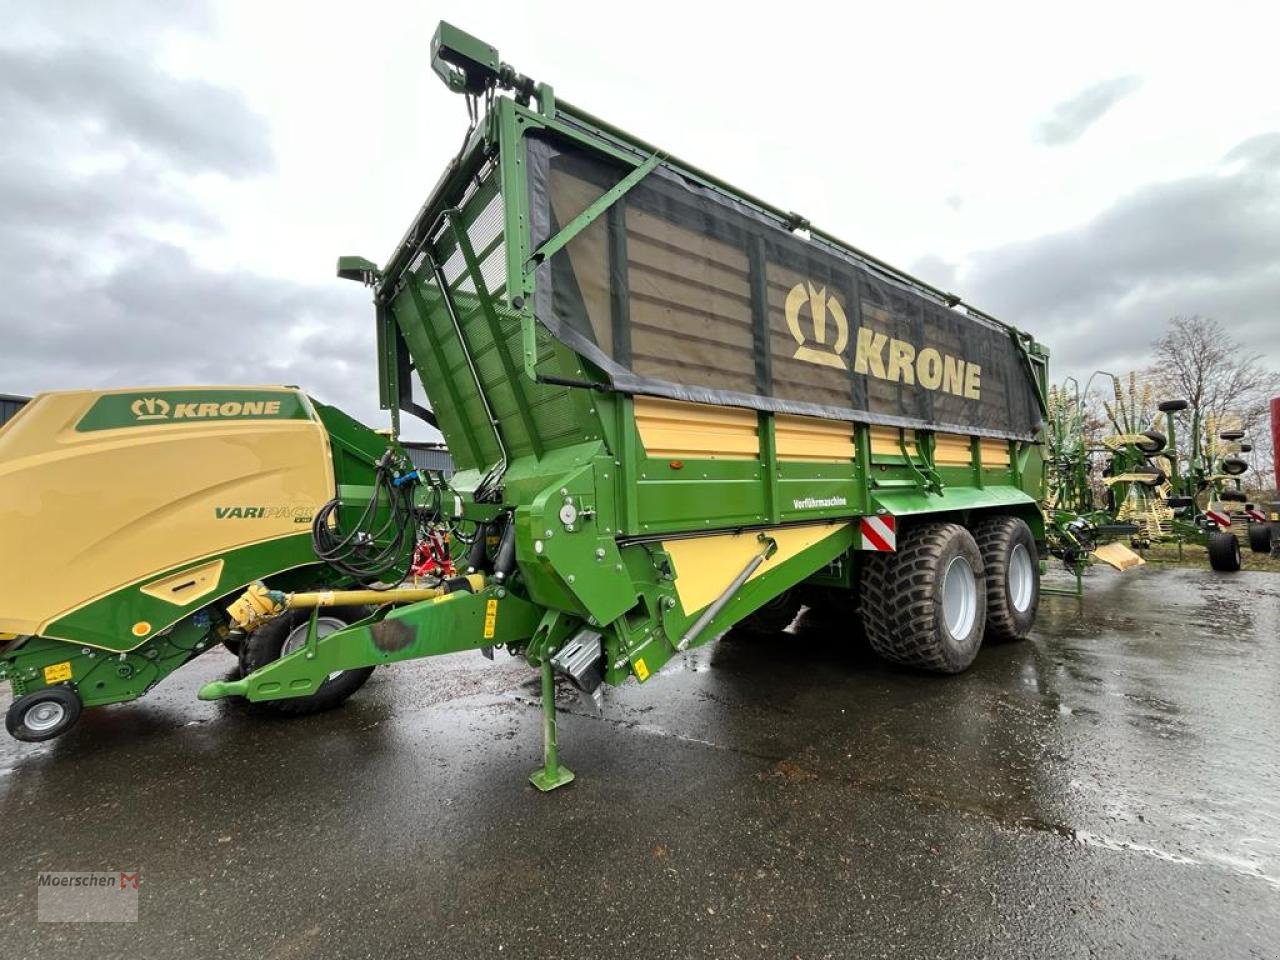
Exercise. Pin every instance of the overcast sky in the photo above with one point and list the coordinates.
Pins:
(177, 180)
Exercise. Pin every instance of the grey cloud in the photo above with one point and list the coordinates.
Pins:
(191, 125)
(1262, 151)
(57, 205)
(124, 24)
(1099, 294)
(1070, 119)
(933, 269)
(158, 317)
(92, 297)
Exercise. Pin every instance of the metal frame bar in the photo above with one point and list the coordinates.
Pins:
(589, 215)
(619, 293)
(424, 318)
(495, 329)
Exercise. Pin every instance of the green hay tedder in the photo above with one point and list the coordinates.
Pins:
(1152, 490)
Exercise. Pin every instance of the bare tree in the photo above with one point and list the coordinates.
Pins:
(1198, 361)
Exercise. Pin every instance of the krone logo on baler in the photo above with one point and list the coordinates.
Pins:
(821, 306)
(150, 408)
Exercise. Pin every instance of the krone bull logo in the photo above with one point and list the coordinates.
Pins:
(821, 306)
(150, 408)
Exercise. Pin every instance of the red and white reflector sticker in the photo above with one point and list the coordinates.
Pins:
(879, 533)
(1256, 515)
(1218, 515)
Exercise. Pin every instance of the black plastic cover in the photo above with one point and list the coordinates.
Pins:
(679, 290)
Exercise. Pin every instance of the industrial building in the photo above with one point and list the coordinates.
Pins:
(9, 406)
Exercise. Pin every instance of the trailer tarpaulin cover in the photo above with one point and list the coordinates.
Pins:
(681, 291)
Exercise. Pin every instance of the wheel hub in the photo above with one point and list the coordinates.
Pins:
(44, 716)
(1021, 578)
(959, 598)
(297, 638)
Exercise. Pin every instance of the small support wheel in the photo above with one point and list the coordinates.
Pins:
(43, 714)
(1224, 552)
(1235, 467)
(1155, 442)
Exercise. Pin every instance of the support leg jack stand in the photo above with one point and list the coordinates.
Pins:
(550, 775)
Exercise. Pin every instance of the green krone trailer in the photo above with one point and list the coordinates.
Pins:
(675, 409)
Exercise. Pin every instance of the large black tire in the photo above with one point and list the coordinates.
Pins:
(771, 619)
(1156, 441)
(1224, 552)
(265, 644)
(903, 611)
(43, 714)
(1013, 576)
(1260, 537)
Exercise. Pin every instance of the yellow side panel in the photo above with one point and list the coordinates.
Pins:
(952, 450)
(884, 442)
(185, 586)
(85, 513)
(679, 429)
(808, 438)
(705, 566)
(995, 453)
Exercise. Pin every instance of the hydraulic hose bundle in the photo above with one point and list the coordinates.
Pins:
(367, 554)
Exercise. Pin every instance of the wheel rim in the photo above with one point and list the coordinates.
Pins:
(297, 638)
(44, 716)
(1021, 578)
(959, 598)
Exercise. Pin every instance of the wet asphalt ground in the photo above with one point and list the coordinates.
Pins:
(1110, 788)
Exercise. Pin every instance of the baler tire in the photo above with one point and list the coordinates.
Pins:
(771, 619)
(264, 645)
(1260, 537)
(902, 599)
(1224, 552)
(61, 698)
(998, 539)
